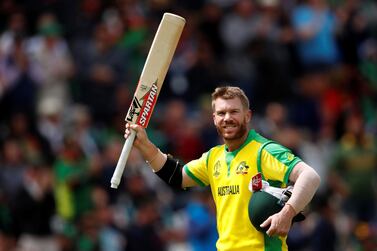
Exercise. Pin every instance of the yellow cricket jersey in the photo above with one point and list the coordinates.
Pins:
(229, 174)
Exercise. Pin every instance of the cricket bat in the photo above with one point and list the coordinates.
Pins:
(150, 82)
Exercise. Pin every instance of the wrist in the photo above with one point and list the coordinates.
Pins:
(152, 159)
(148, 150)
(289, 211)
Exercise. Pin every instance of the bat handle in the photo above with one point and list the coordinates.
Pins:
(117, 175)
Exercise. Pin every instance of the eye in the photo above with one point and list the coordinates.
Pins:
(234, 112)
(220, 113)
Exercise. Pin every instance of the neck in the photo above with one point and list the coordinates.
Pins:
(234, 144)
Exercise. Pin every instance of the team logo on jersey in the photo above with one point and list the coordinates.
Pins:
(216, 169)
(290, 156)
(242, 168)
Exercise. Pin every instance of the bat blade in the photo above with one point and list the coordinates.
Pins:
(150, 82)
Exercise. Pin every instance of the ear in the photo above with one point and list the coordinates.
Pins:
(214, 118)
(249, 115)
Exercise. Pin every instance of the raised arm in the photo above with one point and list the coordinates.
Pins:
(166, 167)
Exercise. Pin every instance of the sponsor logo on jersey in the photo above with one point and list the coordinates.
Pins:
(256, 182)
(228, 190)
(242, 168)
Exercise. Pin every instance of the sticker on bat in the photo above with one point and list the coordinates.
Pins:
(134, 109)
(149, 101)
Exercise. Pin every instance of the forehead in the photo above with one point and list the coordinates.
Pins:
(227, 104)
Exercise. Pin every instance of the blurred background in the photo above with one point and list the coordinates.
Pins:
(68, 70)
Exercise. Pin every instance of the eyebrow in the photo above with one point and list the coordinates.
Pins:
(228, 110)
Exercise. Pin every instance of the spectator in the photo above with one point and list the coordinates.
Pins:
(72, 187)
(102, 66)
(315, 26)
(34, 208)
(18, 85)
(81, 128)
(354, 169)
(12, 168)
(202, 232)
(16, 28)
(324, 236)
(238, 28)
(51, 60)
(143, 234)
(209, 26)
(50, 122)
(110, 237)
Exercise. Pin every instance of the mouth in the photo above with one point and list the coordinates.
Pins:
(229, 127)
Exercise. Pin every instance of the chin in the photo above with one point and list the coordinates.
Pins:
(230, 136)
(235, 134)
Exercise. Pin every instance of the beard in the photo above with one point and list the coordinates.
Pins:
(237, 134)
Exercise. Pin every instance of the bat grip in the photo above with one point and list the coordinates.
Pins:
(117, 175)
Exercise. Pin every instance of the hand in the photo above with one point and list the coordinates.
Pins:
(141, 139)
(279, 223)
(147, 149)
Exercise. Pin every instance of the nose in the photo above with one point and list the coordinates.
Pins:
(227, 116)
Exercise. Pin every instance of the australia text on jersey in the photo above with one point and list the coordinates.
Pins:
(228, 190)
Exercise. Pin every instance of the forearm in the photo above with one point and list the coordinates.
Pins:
(167, 168)
(153, 156)
(306, 184)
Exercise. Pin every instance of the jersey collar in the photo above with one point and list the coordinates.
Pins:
(250, 137)
(229, 156)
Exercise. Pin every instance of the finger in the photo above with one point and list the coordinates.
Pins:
(134, 127)
(127, 133)
(137, 128)
(271, 231)
(266, 222)
(280, 232)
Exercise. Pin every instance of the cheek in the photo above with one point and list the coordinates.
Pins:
(215, 121)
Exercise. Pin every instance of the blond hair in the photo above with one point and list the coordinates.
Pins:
(230, 92)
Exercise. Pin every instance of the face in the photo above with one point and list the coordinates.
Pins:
(231, 118)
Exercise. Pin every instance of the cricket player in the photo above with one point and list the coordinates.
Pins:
(228, 169)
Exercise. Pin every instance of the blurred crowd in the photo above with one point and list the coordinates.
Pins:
(68, 70)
